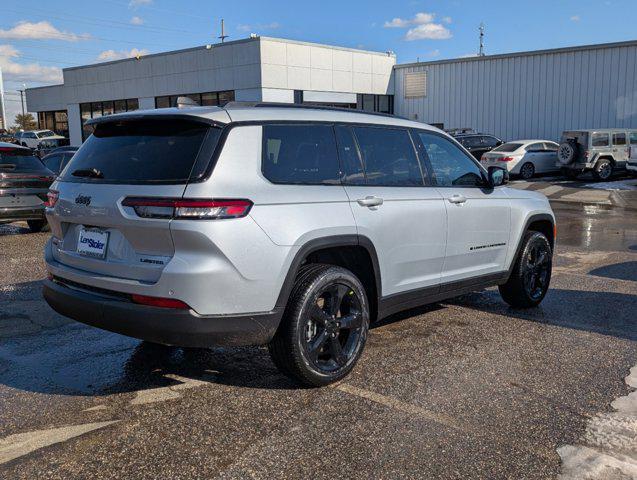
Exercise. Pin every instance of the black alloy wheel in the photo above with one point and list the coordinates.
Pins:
(536, 267)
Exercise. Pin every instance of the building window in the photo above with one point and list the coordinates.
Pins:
(375, 103)
(207, 99)
(56, 121)
(415, 84)
(98, 109)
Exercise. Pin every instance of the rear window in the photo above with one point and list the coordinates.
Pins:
(149, 151)
(507, 147)
(20, 161)
(300, 154)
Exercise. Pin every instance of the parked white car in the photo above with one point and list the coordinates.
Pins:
(523, 157)
(33, 138)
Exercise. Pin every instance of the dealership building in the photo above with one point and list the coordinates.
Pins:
(533, 94)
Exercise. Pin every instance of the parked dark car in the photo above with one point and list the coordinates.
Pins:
(478, 143)
(58, 158)
(24, 184)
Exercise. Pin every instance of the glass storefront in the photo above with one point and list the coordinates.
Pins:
(207, 99)
(98, 109)
(56, 121)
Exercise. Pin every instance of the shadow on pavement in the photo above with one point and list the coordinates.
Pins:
(619, 271)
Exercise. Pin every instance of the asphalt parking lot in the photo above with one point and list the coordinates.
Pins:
(463, 389)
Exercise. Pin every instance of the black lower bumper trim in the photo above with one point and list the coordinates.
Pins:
(160, 325)
(17, 214)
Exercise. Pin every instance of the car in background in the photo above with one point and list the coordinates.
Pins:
(24, 184)
(57, 160)
(459, 131)
(33, 138)
(5, 136)
(478, 143)
(602, 152)
(524, 158)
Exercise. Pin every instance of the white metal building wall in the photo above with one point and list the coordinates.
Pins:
(528, 95)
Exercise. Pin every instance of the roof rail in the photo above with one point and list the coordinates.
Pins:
(311, 106)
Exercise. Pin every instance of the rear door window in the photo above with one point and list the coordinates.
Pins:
(300, 154)
(489, 141)
(551, 147)
(600, 140)
(389, 157)
(53, 162)
(353, 171)
(148, 151)
(633, 138)
(535, 147)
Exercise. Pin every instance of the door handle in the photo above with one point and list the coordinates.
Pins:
(370, 201)
(457, 198)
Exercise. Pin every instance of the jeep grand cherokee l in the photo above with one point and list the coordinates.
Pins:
(282, 226)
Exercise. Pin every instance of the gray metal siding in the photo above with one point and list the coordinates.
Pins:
(530, 95)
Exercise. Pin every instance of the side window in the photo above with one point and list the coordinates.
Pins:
(600, 140)
(551, 147)
(633, 138)
(471, 142)
(301, 154)
(535, 147)
(450, 165)
(619, 138)
(389, 158)
(490, 142)
(348, 154)
(53, 163)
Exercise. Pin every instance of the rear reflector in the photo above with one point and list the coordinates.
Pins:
(51, 198)
(159, 302)
(183, 208)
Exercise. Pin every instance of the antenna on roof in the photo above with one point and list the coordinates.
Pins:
(481, 51)
(223, 35)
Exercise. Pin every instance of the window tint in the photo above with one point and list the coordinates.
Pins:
(619, 138)
(507, 147)
(633, 138)
(388, 157)
(53, 162)
(304, 154)
(348, 155)
(551, 147)
(141, 151)
(19, 160)
(470, 142)
(600, 140)
(535, 147)
(451, 166)
(489, 141)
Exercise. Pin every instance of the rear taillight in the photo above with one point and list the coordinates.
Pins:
(183, 208)
(505, 159)
(159, 302)
(51, 198)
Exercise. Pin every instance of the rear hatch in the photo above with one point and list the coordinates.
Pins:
(143, 157)
(24, 180)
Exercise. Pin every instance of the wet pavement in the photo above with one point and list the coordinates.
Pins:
(463, 389)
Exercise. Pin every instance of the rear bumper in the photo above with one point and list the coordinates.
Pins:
(160, 325)
(15, 214)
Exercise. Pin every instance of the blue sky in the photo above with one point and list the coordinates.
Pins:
(38, 38)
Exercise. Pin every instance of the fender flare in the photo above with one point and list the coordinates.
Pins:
(320, 244)
(532, 218)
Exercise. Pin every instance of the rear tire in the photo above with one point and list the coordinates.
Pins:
(38, 226)
(603, 170)
(527, 171)
(324, 327)
(531, 274)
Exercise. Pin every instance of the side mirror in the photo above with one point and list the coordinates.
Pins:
(498, 176)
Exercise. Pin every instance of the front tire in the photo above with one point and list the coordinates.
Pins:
(531, 274)
(324, 327)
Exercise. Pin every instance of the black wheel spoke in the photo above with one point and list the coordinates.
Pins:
(337, 351)
(319, 315)
(316, 344)
(336, 294)
(351, 321)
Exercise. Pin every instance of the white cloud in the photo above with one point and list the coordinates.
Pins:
(423, 27)
(26, 72)
(40, 31)
(419, 19)
(434, 53)
(109, 55)
(137, 20)
(257, 27)
(139, 3)
(575, 18)
(427, 31)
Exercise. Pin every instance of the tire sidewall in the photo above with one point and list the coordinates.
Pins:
(537, 237)
(333, 275)
(598, 169)
(532, 167)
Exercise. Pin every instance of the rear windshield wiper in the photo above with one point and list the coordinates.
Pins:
(88, 172)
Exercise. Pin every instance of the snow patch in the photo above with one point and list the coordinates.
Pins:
(618, 185)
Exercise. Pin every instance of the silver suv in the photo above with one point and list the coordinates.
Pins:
(292, 227)
(601, 152)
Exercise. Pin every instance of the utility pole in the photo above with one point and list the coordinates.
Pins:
(22, 100)
(223, 35)
(481, 51)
